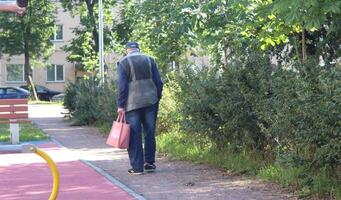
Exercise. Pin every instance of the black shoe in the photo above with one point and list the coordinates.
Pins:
(135, 172)
(149, 167)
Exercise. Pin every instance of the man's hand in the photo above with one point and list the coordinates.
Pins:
(20, 13)
(120, 110)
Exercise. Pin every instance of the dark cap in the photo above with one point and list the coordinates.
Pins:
(132, 45)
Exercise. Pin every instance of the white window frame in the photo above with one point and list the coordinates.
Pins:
(55, 74)
(54, 39)
(23, 74)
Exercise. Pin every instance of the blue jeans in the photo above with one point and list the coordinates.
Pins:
(143, 118)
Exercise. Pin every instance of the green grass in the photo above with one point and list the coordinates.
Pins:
(324, 185)
(301, 181)
(57, 103)
(287, 177)
(104, 128)
(179, 147)
(28, 132)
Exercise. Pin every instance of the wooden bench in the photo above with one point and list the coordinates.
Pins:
(14, 112)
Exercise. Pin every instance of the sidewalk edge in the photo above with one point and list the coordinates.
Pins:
(114, 181)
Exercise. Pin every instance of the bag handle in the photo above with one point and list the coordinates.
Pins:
(121, 117)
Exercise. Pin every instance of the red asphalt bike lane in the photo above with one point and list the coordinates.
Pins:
(24, 179)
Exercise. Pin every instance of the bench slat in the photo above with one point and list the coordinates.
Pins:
(13, 112)
(13, 108)
(17, 121)
(14, 116)
(13, 101)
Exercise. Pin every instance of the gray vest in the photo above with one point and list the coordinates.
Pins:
(142, 91)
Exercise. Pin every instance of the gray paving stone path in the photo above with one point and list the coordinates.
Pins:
(172, 180)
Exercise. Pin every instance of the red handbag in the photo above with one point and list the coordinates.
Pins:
(120, 133)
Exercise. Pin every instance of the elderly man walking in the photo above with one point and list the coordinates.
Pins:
(140, 89)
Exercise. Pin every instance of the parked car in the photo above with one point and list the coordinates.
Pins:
(58, 97)
(13, 93)
(43, 93)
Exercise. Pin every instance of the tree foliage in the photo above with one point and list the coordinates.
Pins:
(84, 47)
(29, 35)
(162, 27)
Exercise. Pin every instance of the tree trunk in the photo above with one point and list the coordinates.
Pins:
(296, 46)
(218, 58)
(90, 6)
(225, 53)
(304, 49)
(106, 70)
(176, 66)
(27, 67)
(28, 73)
(95, 35)
(33, 87)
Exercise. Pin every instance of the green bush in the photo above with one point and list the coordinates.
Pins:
(289, 116)
(107, 103)
(283, 113)
(89, 103)
(307, 120)
(70, 95)
(227, 105)
(168, 115)
(196, 99)
(245, 91)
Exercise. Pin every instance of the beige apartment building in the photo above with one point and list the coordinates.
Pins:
(55, 77)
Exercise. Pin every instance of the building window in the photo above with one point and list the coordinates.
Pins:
(55, 73)
(15, 73)
(58, 34)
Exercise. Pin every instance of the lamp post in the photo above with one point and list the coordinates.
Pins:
(100, 41)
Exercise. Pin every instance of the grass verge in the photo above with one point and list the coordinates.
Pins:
(104, 128)
(301, 181)
(179, 147)
(28, 132)
(57, 103)
(304, 182)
